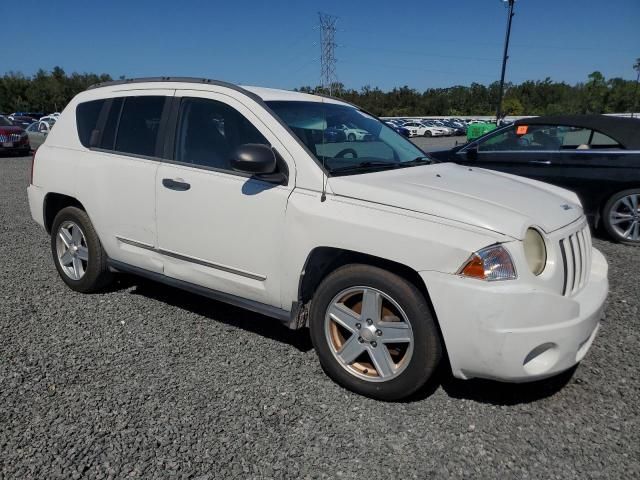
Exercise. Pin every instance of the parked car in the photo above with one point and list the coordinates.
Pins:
(596, 156)
(37, 133)
(419, 129)
(353, 133)
(437, 128)
(392, 260)
(13, 139)
(458, 129)
(50, 119)
(21, 121)
(401, 130)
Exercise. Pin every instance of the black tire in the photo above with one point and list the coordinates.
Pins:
(97, 275)
(427, 133)
(606, 220)
(351, 137)
(427, 347)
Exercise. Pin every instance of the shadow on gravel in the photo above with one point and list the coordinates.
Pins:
(218, 311)
(499, 393)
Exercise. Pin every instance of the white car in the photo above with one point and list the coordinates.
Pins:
(353, 133)
(391, 260)
(419, 129)
(50, 119)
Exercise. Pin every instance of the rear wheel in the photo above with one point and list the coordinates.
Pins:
(621, 217)
(374, 332)
(77, 252)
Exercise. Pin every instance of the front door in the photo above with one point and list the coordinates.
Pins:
(514, 149)
(218, 228)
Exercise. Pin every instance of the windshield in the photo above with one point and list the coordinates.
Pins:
(346, 140)
(5, 122)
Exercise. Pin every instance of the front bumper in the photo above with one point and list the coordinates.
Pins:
(17, 148)
(510, 332)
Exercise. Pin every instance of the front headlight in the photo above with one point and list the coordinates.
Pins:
(535, 251)
(491, 264)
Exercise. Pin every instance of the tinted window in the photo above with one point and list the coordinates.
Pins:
(87, 115)
(139, 125)
(523, 137)
(546, 137)
(109, 130)
(210, 131)
(601, 140)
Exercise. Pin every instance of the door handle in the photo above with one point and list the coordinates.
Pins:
(178, 184)
(541, 162)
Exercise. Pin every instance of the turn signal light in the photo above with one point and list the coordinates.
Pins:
(491, 264)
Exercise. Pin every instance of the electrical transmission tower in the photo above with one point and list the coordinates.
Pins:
(328, 79)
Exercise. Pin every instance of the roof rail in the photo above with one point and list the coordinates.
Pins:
(206, 81)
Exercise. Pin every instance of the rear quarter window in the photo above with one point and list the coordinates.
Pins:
(87, 115)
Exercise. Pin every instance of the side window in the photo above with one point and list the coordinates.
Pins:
(111, 124)
(210, 131)
(87, 115)
(43, 127)
(139, 125)
(600, 140)
(523, 138)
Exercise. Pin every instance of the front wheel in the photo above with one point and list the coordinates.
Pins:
(427, 133)
(374, 332)
(351, 137)
(621, 217)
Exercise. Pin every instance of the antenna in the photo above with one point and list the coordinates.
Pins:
(328, 78)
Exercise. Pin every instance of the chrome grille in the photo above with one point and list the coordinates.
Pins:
(13, 137)
(576, 258)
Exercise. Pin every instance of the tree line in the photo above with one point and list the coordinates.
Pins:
(51, 91)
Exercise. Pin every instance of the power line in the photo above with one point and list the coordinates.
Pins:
(328, 78)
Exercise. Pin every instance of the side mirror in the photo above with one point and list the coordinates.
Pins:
(472, 153)
(254, 158)
(259, 160)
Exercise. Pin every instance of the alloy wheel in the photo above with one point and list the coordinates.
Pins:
(72, 250)
(369, 334)
(624, 217)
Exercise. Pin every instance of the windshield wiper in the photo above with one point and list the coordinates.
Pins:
(424, 160)
(366, 165)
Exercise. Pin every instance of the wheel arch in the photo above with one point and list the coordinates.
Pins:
(53, 203)
(321, 261)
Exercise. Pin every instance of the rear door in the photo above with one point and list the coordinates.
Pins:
(594, 166)
(124, 138)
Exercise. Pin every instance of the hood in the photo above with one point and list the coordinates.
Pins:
(10, 130)
(495, 201)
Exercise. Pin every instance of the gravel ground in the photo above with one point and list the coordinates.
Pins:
(147, 381)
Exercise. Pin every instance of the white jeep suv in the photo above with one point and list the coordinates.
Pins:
(391, 259)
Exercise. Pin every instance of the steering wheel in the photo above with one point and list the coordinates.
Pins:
(346, 151)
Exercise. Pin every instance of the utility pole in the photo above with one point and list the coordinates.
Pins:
(328, 45)
(505, 56)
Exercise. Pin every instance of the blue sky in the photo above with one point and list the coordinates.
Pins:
(433, 43)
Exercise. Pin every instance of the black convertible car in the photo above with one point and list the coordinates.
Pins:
(596, 156)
